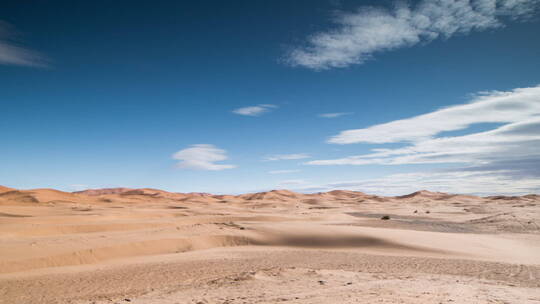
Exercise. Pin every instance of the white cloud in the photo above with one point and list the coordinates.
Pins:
(494, 107)
(512, 141)
(334, 115)
(254, 110)
(287, 156)
(282, 171)
(13, 54)
(504, 156)
(463, 182)
(202, 157)
(369, 30)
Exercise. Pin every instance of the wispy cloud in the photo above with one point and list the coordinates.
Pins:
(287, 156)
(369, 30)
(511, 141)
(202, 157)
(491, 107)
(282, 171)
(456, 181)
(255, 110)
(507, 151)
(334, 115)
(12, 53)
(518, 137)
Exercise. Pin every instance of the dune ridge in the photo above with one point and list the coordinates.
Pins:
(54, 242)
(99, 195)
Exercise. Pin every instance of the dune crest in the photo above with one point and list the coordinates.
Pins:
(5, 189)
(141, 194)
(103, 191)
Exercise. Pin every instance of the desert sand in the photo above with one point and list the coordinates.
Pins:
(151, 246)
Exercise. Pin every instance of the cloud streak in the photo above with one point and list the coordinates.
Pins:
(283, 171)
(504, 159)
(517, 138)
(257, 110)
(369, 30)
(11, 53)
(491, 107)
(334, 115)
(202, 157)
(458, 181)
(287, 156)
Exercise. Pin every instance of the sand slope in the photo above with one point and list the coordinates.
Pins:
(154, 246)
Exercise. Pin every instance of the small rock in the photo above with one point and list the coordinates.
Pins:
(322, 282)
(385, 217)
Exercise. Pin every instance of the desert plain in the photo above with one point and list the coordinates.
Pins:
(140, 246)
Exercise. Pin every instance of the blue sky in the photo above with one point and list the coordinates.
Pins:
(239, 96)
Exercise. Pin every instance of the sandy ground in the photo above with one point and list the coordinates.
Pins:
(151, 246)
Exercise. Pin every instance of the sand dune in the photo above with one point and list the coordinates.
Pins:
(5, 189)
(104, 191)
(38, 196)
(154, 246)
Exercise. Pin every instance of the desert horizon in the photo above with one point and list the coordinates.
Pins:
(121, 245)
(283, 191)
